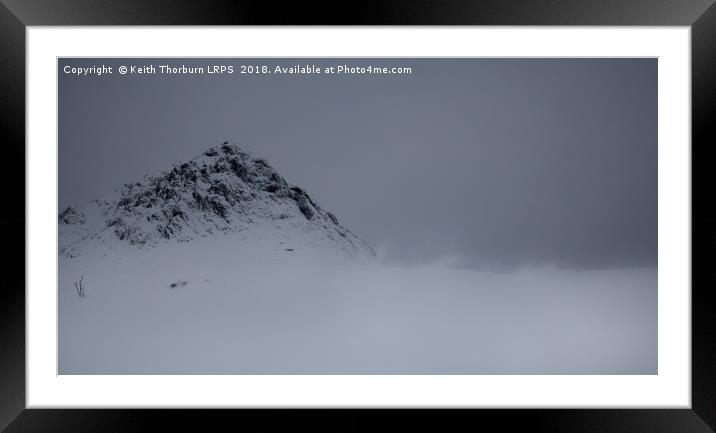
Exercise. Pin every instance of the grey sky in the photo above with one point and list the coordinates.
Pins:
(497, 162)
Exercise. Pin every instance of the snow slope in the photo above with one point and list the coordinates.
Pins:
(210, 307)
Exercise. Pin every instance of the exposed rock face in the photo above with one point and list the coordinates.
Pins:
(223, 190)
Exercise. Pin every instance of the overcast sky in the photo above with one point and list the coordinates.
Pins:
(491, 162)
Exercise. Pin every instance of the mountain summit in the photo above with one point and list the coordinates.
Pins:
(224, 190)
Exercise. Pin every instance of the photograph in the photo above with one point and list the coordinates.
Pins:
(361, 218)
(357, 216)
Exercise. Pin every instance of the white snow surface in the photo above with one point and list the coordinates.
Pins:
(250, 307)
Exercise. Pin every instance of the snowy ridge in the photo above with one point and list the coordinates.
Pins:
(224, 190)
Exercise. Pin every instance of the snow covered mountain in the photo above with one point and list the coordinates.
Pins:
(224, 190)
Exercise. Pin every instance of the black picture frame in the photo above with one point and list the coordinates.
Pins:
(16, 15)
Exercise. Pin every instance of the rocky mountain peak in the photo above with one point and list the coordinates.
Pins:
(225, 189)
